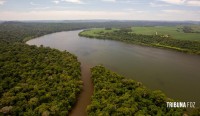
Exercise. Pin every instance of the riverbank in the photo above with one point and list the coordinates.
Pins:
(161, 41)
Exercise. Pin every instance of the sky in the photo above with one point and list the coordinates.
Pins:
(168, 10)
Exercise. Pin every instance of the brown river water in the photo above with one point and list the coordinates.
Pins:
(176, 74)
(87, 91)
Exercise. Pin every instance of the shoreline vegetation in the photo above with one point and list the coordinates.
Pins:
(117, 95)
(127, 35)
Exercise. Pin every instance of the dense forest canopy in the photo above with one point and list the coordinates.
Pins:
(116, 95)
(36, 81)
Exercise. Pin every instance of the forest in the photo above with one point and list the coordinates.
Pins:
(126, 35)
(22, 32)
(36, 80)
(117, 95)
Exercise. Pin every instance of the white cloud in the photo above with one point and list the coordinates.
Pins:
(74, 1)
(193, 3)
(41, 8)
(158, 5)
(109, 0)
(180, 14)
(56, 1)
(32, 3)
(81, 15)
(129, 9)
(175, 11)
(2, 2)
(183, 2)
(61, 15)
(134, 10)
(174, 1)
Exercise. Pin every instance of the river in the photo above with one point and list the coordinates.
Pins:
(176, 74)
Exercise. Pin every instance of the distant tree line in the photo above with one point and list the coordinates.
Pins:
(126, 35)
(189, 29)
(23, 31)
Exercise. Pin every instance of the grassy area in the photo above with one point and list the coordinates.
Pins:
(174, 31)
(97, 31)
(147, 38)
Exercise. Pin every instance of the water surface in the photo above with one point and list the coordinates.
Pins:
(176, 74)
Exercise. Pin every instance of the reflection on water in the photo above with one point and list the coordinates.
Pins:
(175, 73)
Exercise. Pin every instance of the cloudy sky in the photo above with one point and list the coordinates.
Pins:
(100, 9)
